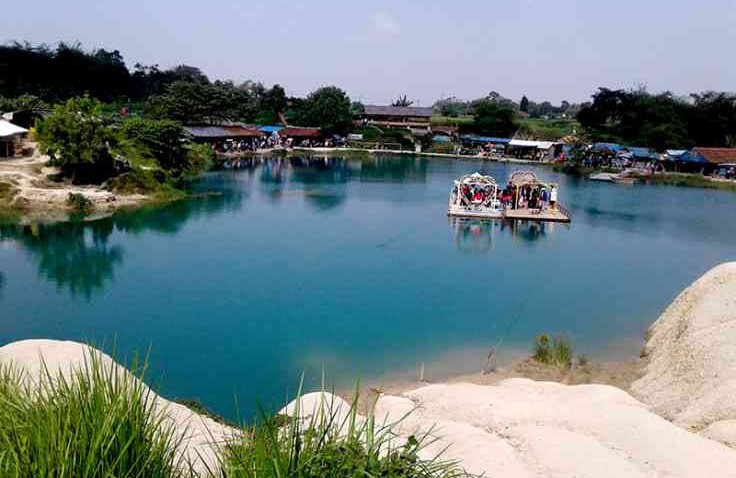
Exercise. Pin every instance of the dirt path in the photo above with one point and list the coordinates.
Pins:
(29, 190)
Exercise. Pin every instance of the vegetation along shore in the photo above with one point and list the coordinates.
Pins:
(90, 147)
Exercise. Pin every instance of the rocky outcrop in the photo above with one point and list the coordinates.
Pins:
(690, 375)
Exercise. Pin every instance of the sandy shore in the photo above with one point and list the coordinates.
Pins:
(28, 192)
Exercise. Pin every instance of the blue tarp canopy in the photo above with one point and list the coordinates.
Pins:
(691, 156)
(642, 152)
(485, 139)
(271, 129)
(609, 146)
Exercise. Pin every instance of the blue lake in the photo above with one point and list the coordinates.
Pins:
(353, 265)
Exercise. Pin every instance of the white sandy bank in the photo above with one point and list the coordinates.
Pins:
(690, 377)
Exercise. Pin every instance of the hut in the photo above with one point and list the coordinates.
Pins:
(527, 199)
(11, 137)
(706, 160)
(226, 138)
(300, 134)
(536, 150)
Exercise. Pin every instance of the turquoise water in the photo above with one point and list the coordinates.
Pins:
(354, 266)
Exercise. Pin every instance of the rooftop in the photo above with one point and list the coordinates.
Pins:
(415, 111)
(717, 155)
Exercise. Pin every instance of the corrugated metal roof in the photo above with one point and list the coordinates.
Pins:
(531, 144)
(221, 132)
(8, 129)
(300, 132)
(715, 155)
(403, 111)
(485, 139)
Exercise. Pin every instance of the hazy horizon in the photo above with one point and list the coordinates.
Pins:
(562, 50)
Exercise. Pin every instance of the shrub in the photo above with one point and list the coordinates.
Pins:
(79, 202)
(557, 352)
(97, 422)
(327, 446)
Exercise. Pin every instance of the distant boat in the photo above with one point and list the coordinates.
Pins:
(605, 177)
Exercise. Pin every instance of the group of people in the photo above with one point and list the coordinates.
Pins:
(537, 196)
(270, 142)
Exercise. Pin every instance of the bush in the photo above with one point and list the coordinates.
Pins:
(141, 181)
(557, 352)
(79, 202)
(78, 137)
(98, 422)
(328, 447)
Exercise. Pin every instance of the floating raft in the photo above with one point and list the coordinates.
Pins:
(558, 214)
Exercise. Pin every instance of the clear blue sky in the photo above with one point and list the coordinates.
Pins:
(546, 49)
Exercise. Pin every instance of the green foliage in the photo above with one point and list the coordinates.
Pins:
(493, 119)
(78, 138)
(557, 352)
(98, 422)
(164, 142)
(549, 129)
(143, 181)
(79, 202)
(61, 73)
(402, 100)
(327, 446)
(661, 121)
(524, 104)
(328, 108)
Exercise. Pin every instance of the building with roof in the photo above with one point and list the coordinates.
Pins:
(208, 134)
(298, 132)
(11, 137)
(711, 156)
(409, 116)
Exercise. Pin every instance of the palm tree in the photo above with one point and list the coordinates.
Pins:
(402, 101)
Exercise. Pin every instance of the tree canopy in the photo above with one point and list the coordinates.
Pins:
(328, 108)
(494, 119)
(661, 120)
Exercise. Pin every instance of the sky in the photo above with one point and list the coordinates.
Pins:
(546, 49)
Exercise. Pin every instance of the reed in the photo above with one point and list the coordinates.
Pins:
(557, 351)
(331, 444)
(95, 422)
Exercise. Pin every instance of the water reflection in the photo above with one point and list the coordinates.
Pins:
(473, 235)
(75, 256)
(477, 236)
(79, 256)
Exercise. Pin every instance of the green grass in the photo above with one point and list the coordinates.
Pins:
(438, 120)
(97, 422)
(557, 352)
(331, 445)
(690, 180)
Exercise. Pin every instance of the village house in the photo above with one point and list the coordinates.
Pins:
(401, 116)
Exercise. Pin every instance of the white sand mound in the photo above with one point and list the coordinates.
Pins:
(690, 377)
(200, 435)
(521, 428)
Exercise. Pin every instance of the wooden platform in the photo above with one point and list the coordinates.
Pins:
(550, 215)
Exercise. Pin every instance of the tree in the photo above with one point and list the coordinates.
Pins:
(270, 105)
(327, 107)
(402, 101)
(524, 104)
(493, 119)
(78, 139)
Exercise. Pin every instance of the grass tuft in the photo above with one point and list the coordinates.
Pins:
(96, 422)
(557, 352)
(331, 444)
